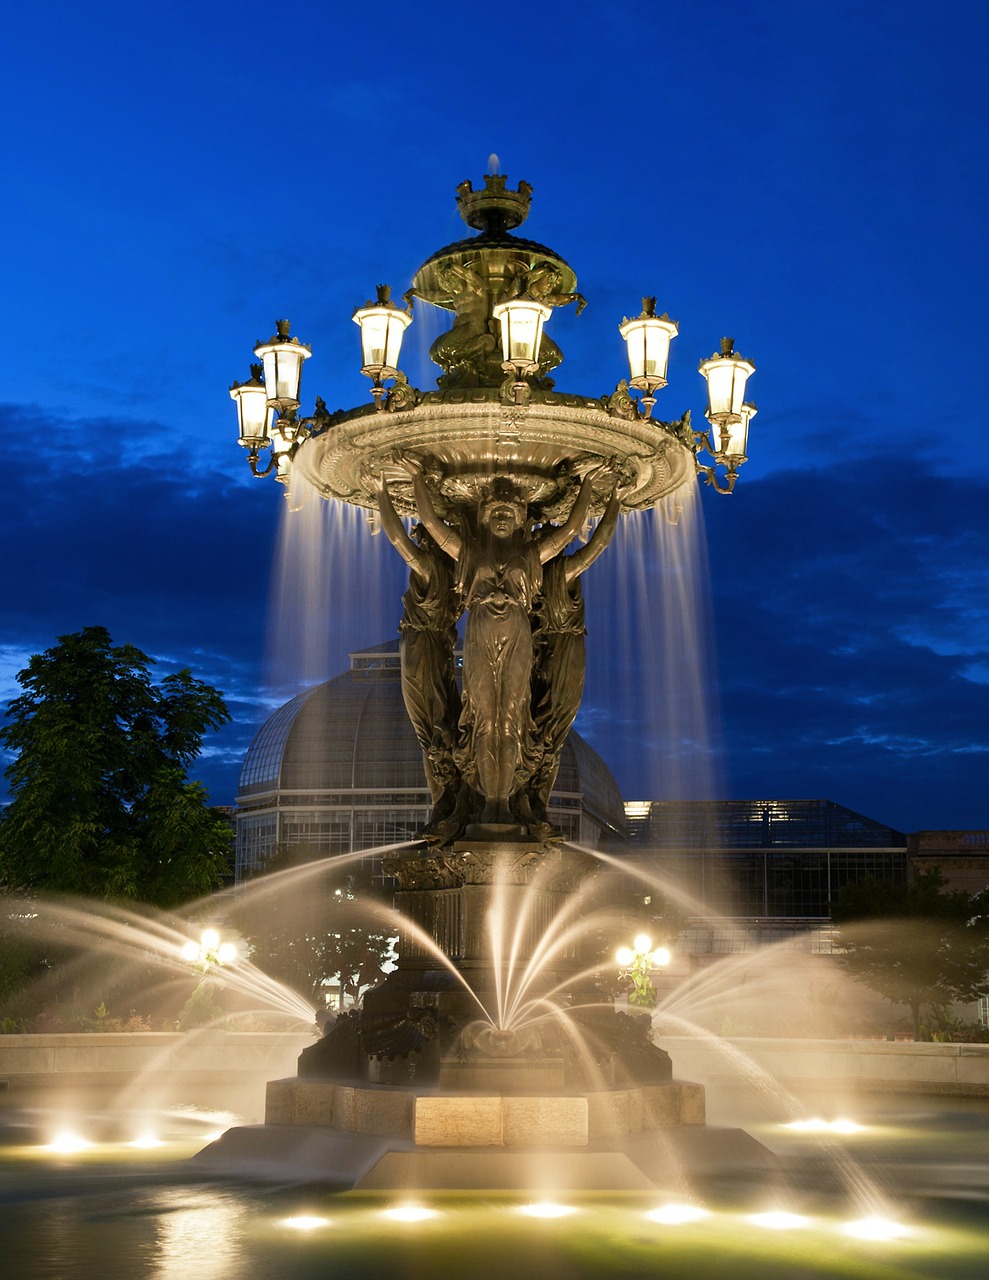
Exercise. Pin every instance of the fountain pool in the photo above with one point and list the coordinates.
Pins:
(114, 1212)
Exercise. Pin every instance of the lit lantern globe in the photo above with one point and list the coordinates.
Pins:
(253, 413)
(521, 322)
(726, 376)
(382, 324)
(647, 341)
(284, 437)
(730, 440)
(282, 357)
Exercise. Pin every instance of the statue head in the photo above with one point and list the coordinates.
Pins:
(503, 510)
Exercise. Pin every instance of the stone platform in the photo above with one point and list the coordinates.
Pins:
(431, 1118)
(388, 1138)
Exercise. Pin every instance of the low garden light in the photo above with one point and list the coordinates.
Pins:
(209, 952)
(635, 966)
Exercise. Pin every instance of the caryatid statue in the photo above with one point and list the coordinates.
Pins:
(431, 609)
(498, 574)
(559, 663)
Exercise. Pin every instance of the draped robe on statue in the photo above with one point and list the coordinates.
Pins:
(497, 751)
(428, 635)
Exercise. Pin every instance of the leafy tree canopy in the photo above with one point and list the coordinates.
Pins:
(915, 944)
(310, 923)
(100, 800)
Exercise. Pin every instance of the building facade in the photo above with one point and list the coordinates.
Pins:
(746, 873)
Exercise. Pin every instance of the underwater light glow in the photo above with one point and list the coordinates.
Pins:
(145, 1141)
(410, 1213)
(876, 1228)
(778, 1220)
(671, 1215)
(68, 1143)
(817, 1125)
(546, 1209)
(305, 1222)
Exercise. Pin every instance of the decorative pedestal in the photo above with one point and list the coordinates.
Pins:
(377, 1137)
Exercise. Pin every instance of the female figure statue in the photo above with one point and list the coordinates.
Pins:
(428, 630)
(498, 572)
(559, 662)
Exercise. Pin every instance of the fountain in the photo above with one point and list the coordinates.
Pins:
(487, 1039)
(491, 1025)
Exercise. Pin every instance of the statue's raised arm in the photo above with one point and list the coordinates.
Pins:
(446, 538)
(394, 529)
(559, 537)
(599, 540)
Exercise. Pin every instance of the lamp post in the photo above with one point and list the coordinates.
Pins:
(729, 415)
(209, 952)
(207, 956)
(635, 966)
(647, 340)
(383, 324)
(521, 323)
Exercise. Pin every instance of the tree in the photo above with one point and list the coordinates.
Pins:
(101, 804)
(309, 922)
(915, 944)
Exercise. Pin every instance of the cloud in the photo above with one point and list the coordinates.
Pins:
(853, 607)
(176, 563)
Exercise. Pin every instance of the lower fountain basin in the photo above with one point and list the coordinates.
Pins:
(381, 1137)
(436, 1118)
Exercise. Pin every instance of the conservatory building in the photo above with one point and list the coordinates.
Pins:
(338, 769)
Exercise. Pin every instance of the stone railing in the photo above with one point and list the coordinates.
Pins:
(903, 1067)
(117, 1057)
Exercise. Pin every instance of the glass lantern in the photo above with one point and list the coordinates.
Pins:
(521, 321)
(726, 376)
(253, 412)
(282, 357)
(647, 341)
(383, 324)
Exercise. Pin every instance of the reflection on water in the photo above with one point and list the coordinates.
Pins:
(136, 1214)
(199, 1236)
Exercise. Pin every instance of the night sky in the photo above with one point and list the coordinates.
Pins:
(810, 179)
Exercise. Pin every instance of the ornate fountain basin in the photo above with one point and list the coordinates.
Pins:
(469, 436)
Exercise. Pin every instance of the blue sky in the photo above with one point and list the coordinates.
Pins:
(809, 179)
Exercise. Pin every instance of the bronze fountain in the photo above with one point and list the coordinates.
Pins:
(503, 473)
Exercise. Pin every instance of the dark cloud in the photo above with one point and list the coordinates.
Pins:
(174, 562)
(853, 610)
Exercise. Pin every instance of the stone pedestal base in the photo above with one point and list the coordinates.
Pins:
(378, 1138)
(431, 1118)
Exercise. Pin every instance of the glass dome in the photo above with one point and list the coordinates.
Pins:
(339, 768)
